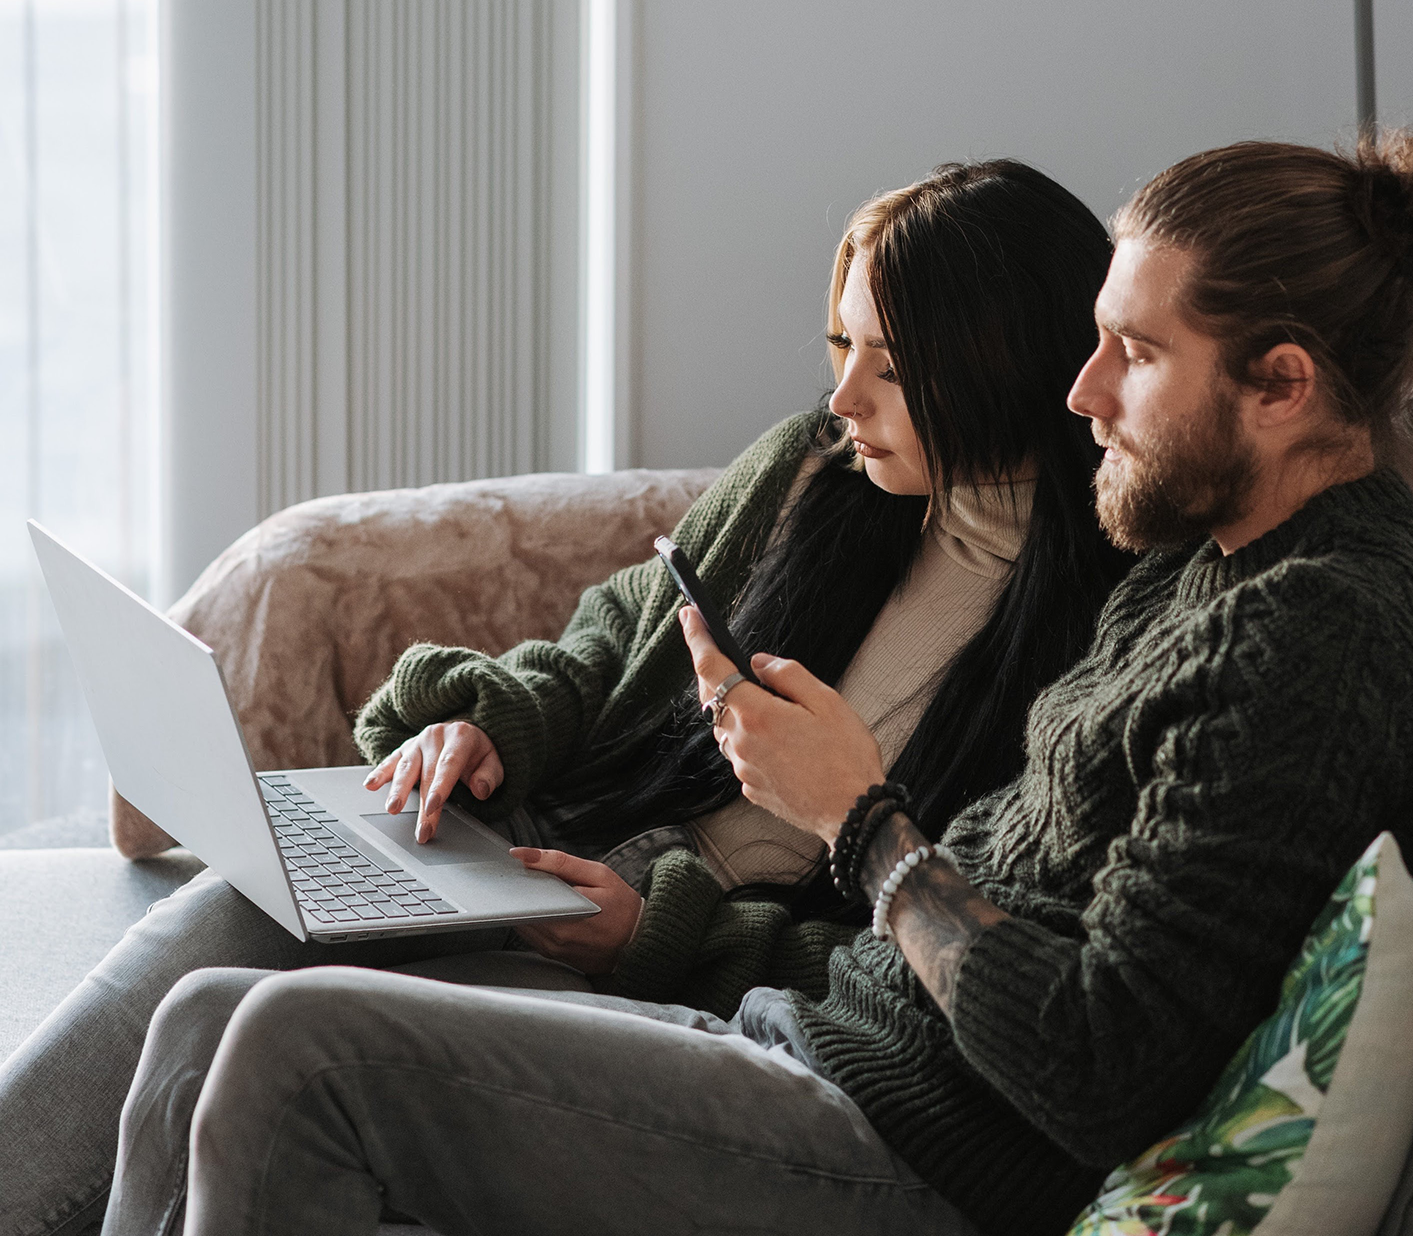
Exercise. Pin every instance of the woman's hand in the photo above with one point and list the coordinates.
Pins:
(588, 944)
(433, 762)
(803, 754)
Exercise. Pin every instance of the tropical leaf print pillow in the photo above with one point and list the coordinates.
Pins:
(1254, 1140)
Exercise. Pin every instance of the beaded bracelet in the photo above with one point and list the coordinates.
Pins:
(850, 844)
(914, 858)
(871, 810)
(881, 812)
(856, 815)
(840, 855)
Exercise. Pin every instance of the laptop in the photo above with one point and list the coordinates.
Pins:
(311, 847)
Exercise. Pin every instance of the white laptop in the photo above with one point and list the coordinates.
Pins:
(311, 847)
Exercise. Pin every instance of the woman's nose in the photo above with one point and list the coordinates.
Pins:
(848, 400)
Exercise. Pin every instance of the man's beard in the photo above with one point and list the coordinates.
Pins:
(1180, 484)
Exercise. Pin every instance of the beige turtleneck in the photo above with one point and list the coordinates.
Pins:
(956, 580)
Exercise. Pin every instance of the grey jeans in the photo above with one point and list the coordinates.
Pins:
(62, 1091)
(313, 1101)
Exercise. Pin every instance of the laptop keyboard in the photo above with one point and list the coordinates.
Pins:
(337, 883)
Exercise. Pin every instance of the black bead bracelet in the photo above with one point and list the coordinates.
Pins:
(857, 832)
(882, 811)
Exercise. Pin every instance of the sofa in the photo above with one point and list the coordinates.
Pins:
(307, 612)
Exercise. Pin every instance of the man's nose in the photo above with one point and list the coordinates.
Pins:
(1088, 396)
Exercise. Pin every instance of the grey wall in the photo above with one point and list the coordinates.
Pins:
(761, 125)
(1393, 53)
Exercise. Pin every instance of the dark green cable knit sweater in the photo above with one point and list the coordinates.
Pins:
(1194, 789)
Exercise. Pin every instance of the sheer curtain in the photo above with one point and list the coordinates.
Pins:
(78, 334)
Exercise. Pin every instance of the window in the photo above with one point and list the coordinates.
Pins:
(78, 334)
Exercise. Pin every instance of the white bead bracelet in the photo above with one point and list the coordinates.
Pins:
(881, 930)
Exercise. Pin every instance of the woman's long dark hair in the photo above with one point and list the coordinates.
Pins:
(984, 276)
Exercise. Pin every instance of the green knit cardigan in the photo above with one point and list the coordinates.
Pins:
(559, 712)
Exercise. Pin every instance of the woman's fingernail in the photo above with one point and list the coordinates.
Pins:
(482, 788)
(432, 804)
(526, 853)
(388, 806)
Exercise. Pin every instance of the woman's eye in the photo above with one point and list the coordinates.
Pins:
(840, 341)
(888, 375)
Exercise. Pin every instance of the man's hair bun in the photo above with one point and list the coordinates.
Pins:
(1382, 182)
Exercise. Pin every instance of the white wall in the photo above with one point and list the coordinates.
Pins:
(761, 125)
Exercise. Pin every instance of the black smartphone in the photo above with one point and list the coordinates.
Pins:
(681, 569)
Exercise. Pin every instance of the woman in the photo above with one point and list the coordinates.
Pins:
(939, 587)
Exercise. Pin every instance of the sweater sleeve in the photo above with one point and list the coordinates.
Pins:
(540, 701)
(1258, 781)
(535, 701)
(694, 947)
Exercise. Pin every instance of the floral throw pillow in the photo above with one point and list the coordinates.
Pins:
(1220, 1173)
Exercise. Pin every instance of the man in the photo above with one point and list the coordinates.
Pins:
(1064, 981)
(1241, 728)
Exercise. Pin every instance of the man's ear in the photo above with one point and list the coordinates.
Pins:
(1285, 385)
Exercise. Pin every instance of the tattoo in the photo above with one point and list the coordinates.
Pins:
(935, 914)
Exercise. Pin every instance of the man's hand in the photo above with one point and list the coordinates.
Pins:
(806, 757)
(433, 762)
(802, 754)
(588, 944)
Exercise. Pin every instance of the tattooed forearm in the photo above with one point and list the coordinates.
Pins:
(936, 914)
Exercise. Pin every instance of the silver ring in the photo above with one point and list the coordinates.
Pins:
(716, 706)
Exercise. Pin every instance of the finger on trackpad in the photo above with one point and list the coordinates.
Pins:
(454, 842)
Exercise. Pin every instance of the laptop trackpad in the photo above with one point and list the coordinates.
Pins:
(454, 842)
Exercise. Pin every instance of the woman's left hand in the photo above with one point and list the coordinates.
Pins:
(588, 944)
(802, 754)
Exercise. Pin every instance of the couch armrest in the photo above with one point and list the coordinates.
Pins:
(308, 611)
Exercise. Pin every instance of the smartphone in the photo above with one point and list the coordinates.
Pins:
(682, 570)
